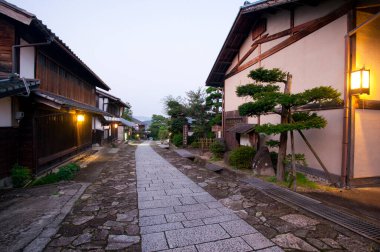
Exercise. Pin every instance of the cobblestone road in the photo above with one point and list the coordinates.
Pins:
(175, 213)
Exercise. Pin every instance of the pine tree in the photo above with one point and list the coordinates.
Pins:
(267, 99)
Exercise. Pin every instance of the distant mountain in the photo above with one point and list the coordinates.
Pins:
(142, 118)
(147, 123)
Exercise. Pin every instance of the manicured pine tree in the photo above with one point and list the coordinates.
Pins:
(267, 98)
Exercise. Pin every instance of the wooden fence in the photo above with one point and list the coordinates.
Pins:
(205, 143)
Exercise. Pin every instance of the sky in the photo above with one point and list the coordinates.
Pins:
(144, 50)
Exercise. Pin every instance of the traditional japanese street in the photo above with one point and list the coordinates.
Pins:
(141, 197)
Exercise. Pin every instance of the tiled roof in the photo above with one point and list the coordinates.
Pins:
(121, 120)
(15, 86)
(30, 19)
(242, 128)
(63, 102)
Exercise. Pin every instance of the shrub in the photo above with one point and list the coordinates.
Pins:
(195, 144)
(20, 175)
(47, 179)
(177, 140)
(242, 157)
(66, 172)
(217, 149)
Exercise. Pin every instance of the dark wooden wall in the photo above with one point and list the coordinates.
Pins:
(231, 118)
(7, 39)
(57, 79)
(8, 150)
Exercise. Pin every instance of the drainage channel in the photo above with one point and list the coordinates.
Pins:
(351, 222)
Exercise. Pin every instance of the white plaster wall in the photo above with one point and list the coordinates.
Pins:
(317, 59)
(244, 140)
(27, 61)
(97, 124)
(367, 139)
(120, 133)
(367, 122)
(6, 112)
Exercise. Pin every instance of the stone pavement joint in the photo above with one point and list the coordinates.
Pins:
(177, 214)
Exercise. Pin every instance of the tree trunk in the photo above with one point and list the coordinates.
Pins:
(294, 171)
(283, 136)
(281, 156)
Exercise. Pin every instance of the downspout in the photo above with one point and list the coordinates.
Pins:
(346, 113)
(14, 56)
(347, 141)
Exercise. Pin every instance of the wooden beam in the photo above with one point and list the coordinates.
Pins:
(311, 27)
(368, 104)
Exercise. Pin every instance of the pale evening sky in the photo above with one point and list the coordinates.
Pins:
(143, 49)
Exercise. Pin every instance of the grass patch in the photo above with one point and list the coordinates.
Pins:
(66, 173)
(302, 181)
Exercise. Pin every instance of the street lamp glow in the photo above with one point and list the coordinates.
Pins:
(80, 118)
(360, 82)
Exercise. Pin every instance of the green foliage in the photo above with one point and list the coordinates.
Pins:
(216, 120)
(255, 90)
(302, 181)
(66, 172)
(163, 133)
(127, 113)
(20, 175)
(242, 157)
(217, 149)
(195, 144)
(158, 122)
(176, 124)
(300, 159)
(272, 143)
(47, 179)
(174, 106)
(267, 75)
(302, 121)
(177, 140)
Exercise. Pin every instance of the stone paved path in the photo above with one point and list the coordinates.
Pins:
(175, 214)
(106, 216)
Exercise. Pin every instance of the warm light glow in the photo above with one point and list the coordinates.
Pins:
(360, 81)
(115, 126)
(80, 118)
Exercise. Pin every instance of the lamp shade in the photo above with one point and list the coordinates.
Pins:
(360, 82)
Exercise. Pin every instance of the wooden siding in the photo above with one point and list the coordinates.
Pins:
(57, 79)
(7, 39)
(8, 150)
(232, 118)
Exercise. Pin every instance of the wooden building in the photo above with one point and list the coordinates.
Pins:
(53, 121)
(319, 42)
(110, 127)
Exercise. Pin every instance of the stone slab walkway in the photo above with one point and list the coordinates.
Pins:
(178, 215)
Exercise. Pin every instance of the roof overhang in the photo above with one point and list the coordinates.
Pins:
(247, 16)
(120, 120)
(17, 86)
(32, 26)
(114, 99)
(242, 128)
(60, 102)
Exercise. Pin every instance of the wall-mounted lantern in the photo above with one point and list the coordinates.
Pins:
(360, 81)
(115, 126)
(80, 118)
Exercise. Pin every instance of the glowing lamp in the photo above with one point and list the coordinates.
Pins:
(360, 82)
(80, 118)
(115, 126)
